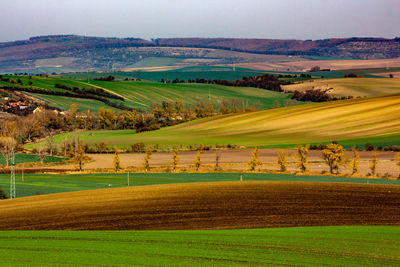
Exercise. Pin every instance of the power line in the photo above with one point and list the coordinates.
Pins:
(12, 182)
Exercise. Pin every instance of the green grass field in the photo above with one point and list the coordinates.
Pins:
(39, 184)
(142, 94)
(21, 158)
(351, 86)
(299, 246)
(351, 122)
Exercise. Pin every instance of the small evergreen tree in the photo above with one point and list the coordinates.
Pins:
(254, 161)
(117, 160)
(282, 159)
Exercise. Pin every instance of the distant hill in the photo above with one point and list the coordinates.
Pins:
(66, 53)
(356, 48)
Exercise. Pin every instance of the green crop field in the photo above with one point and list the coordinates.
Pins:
(186, 73)
(21, 158)
(299, 246)
(352, 122)
(64, 103)
(39, 184)
(142, 94)
(351, 86)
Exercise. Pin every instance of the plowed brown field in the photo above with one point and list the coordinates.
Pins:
(226, 205)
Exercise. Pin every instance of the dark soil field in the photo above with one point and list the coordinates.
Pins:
(226, 205)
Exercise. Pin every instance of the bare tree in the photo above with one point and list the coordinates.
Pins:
(50, 141)
(41, 154)
(7, 144)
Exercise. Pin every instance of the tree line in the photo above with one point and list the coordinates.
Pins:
(332, 155)
(47, 123)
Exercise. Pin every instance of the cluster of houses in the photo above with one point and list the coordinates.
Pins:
(11, 104)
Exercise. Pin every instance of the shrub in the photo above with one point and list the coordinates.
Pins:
(2, 194)
(369, 147)
(137, 148)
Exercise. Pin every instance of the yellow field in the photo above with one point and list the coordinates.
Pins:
(350, 86)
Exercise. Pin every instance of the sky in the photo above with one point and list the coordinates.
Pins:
(272, 19)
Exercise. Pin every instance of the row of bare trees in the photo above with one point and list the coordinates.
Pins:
(333, 156)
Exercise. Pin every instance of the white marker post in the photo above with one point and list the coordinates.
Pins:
(241, 177)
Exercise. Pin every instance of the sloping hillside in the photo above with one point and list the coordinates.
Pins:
(352, 122)
(65, 53)
(140, 95)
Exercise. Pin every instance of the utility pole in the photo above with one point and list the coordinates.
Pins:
(12, 182)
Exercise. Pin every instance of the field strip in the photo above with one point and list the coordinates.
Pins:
(216, 205)
(112, 92)
(293, 246)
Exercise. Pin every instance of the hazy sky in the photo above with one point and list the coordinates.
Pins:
(286, 19)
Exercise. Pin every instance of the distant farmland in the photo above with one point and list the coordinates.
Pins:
(187, 73)
(352, 122)
(351, 86)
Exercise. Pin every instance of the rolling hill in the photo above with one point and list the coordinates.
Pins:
(141, 95)
(226, 205)
(351, 122)
(62, 53)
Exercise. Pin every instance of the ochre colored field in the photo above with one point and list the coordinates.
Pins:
(227, 205)
(350, 86)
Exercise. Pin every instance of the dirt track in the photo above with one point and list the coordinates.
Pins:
(226, 205)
